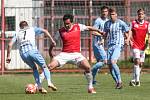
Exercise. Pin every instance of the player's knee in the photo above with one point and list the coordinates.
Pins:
(113, 62)
(87, 69)
(137, 61)
(44, 66)
(52, 65)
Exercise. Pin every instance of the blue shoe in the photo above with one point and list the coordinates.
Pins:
(94, 82)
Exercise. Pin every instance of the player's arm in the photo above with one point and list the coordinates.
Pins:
(8, 59)
(51, 51)
(96, 31)
(51, 48)
(128, 37)
(52, 45)
(127, 32)
(97, 26)
(50, 37)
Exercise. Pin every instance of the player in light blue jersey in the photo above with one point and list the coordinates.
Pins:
(98, 43)
(25, 38)
(115, 30)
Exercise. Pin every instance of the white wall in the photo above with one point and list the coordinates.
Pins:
(19, 11)
(22, 10)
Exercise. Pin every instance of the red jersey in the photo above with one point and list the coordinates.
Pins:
(70, 39)
(139, 31)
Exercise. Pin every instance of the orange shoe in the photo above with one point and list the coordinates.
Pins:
(91, 90)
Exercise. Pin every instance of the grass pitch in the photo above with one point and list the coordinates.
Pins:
(74, 87)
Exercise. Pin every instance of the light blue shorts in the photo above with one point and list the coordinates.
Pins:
(113, 53)
(31, 57)
(99, 52)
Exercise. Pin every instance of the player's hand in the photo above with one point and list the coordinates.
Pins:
(8, 59)
(53, 43)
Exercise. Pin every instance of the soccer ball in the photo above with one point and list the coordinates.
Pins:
(30, 89)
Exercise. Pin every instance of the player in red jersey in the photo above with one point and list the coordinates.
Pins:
(140, 28)
(70, 36)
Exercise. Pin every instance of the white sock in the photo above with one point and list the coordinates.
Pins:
(137, 72)
(134, 76)
(42, 76)
(89, 79)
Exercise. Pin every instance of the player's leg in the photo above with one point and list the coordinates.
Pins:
(114, 57)
(95, 69)
(100, 56)
(136, 67)
(28, 60)
(112, 72)
(142, 58)
(116, 70)
(84, 64)
(109, 54)
(37, 57)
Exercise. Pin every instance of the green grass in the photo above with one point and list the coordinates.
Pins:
(73, 87)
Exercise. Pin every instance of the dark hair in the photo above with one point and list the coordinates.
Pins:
(23, 24)
(140, 10)
(111, 10)
(104, 7)
(68, 16)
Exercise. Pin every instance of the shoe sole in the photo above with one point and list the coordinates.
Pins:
(132, 84)
(43, 92)
(53, 88)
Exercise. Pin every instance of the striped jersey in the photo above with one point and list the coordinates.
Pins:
(99, 24)
(115, 32)
(25, 38)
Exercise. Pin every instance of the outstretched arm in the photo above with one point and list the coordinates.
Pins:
(51, 51)
(51, 48)
(96, 31)
(50, 37)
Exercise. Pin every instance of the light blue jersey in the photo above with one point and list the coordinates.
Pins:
(98, 48)
(115, 32)
(99, 24)
(115, 35)
(25, 38)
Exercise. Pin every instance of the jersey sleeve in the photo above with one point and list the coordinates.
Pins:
(125, 27)
(38, 30)
(83, 27)
(97, 24)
